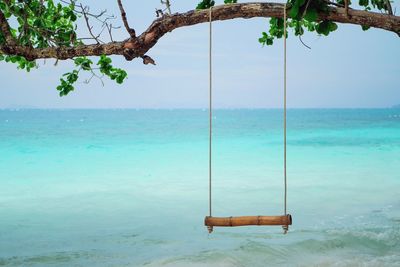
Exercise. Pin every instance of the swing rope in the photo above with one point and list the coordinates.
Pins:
(285, 227)
(210, 117)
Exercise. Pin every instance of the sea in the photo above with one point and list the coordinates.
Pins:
(129, 187)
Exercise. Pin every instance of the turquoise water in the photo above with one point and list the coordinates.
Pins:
(129, 187)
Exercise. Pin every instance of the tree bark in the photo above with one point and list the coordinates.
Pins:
(137, 47)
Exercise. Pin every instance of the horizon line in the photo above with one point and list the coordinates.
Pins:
(188, 108)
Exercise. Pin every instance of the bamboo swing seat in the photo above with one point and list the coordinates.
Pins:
(282, 220)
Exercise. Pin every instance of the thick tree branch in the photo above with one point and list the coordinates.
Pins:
(113, 48)
(131, 31)
(5, 29)
(139, 46)
(250, 10)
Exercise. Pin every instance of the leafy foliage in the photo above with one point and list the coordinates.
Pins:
(66, 85)
(303, 16)
(107, 69)
(204, 4)
(20, 61)
(378, 4)
(40, 24)
(43, 24)
(84, 64)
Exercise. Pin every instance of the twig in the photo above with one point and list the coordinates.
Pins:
(301, 40)
(95, 75)
(304, 13)
(168, 5)
(389, 7)
(131, 31)
(88, 25)
(109, 29)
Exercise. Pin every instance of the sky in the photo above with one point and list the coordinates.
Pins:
(348, 69)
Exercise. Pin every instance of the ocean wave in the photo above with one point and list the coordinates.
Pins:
(58, 258)
(378, 246)
(336, 247)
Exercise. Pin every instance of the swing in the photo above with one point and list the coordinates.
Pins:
(282, 220)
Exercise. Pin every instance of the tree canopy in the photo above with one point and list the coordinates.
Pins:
(48, 29)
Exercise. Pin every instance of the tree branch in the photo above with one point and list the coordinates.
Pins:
(168, 5)
(113, 48)
(5, 29)
(250, 10)
(85, 16)
(389, 7)
(131, 31)
(139, 46)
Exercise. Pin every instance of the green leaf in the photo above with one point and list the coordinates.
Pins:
(332, 26)
(83, 62)
(301, 2)
(311, 14)
(204, 4)
(298, 30)
(323, 27)
(365, 28)
(294, 11)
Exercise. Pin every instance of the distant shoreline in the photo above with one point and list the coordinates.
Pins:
(182, 108)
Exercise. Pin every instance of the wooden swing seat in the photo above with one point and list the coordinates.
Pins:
(283, 220)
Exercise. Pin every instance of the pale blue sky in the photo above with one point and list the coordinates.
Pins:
(349, 68)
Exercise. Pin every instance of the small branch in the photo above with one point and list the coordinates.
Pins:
(97, 16)
(301, 40)
(159, 13)
(109, 29)
(84, 12)
(305, 10)
(389, 7)
(95, 75)
(302, 16)
(148, 60)
(131, 31)
(168, 5)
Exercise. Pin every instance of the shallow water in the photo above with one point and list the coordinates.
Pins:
(129, 187)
